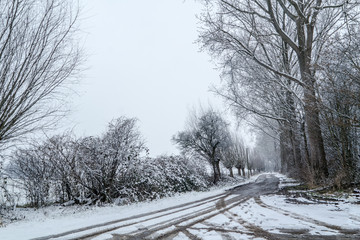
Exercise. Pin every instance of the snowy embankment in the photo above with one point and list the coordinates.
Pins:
(58, 219)
(215, 214)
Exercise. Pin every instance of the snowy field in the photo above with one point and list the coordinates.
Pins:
(205, 215)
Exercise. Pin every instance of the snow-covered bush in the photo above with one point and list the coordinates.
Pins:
(46, 170)
(162, 176)
(35, 171)
(111, 168)
(7, 198)
(104, 162)
(181, 174)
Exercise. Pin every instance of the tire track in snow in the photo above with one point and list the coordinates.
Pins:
(190, 235)
(224, 232)
(265, 184)
(299, 217)
(193, 218)
(146, 229)
(181, 207)
(355, 218)
(254, 230)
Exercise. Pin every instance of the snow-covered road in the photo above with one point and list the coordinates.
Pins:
(250, 211)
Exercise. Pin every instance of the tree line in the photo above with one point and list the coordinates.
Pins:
(207, 136)
(291, 68)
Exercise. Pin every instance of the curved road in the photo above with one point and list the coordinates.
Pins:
(206, 215)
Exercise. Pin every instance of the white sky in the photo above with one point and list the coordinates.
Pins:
(143, 63)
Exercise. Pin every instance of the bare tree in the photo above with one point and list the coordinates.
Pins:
(232, 155)
(339, 92)
(205, 135)
(257, 162)
(285, 39)
(35, 172)
(39, 53)
(268, 149)
(61, 151)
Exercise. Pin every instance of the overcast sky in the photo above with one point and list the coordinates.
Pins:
(142, 63)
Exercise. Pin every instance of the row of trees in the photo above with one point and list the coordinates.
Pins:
(110, 168)
(292, 68)
(207, 137)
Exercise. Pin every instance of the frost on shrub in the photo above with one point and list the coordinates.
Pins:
(35, 172)
(153, 178)
(9, 194)
(181, 174)
(88, 170)
(110, 168)
(104, 162)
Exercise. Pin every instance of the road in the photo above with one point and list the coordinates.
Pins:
(215, 217)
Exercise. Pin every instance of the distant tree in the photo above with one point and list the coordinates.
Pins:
(227, 159)
(257, 162)
(232, 155)
(239, 152)
(204, 136)
(267, 147)
(39, 53)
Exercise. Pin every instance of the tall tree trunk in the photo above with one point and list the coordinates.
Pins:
(347, 157)
(287, 150)
(291, 148)
(293, 129)
(218, 167)
(231, 172)
(305, 34)
(315, 139)
(216, 172)
(306, 146)
(283, 153)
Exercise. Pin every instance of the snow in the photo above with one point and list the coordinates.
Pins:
(273, 221)
(56, 219)
(332, 214)
(209, 235)
(273, 214)
(180, 236)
